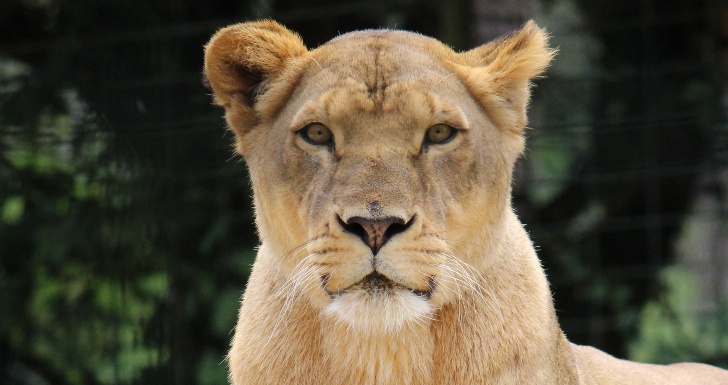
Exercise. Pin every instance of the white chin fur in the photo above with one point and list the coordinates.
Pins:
(369, 313)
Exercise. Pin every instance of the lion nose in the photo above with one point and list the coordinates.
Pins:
(375, 232)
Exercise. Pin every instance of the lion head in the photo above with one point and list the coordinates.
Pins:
(377, 160)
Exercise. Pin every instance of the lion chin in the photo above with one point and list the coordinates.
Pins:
(377, 305)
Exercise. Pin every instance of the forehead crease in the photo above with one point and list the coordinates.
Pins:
(376, 61)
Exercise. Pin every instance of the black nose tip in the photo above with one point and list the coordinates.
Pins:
(375, 232)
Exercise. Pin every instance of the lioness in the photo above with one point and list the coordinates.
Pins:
(381, 167)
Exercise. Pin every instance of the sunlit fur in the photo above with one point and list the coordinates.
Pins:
(464, 299)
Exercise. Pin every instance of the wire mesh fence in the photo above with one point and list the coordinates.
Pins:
(127, 228)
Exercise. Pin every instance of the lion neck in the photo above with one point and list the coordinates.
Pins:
(353, 357)
(507, 332)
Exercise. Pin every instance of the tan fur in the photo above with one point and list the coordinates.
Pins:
(305, 317)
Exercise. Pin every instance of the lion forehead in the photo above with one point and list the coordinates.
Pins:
(374, 75)
(378, 59)
(401, 41)
(402, 103)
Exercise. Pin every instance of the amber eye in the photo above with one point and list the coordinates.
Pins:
(439, 134)
(317, 133)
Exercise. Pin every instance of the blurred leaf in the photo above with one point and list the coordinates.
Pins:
(676, 327)
(212, 369)
(13, 209)
(225, 312)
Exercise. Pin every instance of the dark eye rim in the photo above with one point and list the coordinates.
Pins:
(304, 135)
(453, 134)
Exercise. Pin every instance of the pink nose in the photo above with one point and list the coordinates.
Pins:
(375, 232)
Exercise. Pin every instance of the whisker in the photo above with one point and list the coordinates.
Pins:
(447, 277)
(298, 269)
(463, 275)
(303, 244)
(322, 69)
(305, 274)
(480, 283)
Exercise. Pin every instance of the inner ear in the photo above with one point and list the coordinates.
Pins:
(251, 82)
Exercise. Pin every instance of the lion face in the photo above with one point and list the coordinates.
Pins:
(375, 160)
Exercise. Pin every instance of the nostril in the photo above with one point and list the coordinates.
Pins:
(375, 232)
(397, 227)
(353, 227)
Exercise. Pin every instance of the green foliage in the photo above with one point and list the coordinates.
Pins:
(550, 163)
(13, 209)
(69, 309)
(108, 268)
(126, 237)
(103, 320)
(677, 328)
(211, 369)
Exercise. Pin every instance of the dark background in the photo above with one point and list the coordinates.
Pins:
(126, 231)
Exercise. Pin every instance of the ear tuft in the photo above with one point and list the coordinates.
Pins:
(498, 74)
(522, 54)
(241, 57)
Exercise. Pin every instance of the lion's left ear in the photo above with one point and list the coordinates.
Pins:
(242, 61)
(499, 73)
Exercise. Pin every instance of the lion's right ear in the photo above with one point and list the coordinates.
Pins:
(240, 62)
(498, 74)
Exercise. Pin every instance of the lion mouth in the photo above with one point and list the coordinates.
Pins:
(377, 284)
